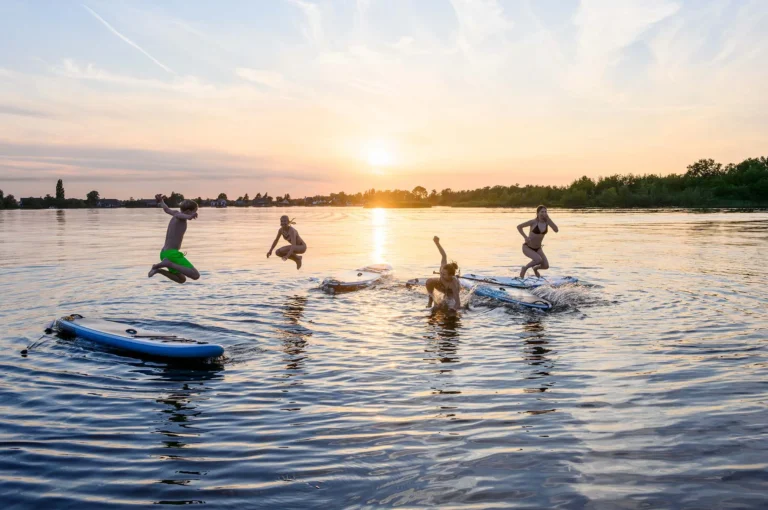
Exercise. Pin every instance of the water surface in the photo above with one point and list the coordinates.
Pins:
(646, 388)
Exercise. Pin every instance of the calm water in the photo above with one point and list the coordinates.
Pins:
(647, 388)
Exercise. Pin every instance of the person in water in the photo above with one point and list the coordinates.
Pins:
(175, 265)
(447, 283)
(291, 235)
(532, 246)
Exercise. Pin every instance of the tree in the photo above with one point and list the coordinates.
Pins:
(175, 199)
(246, 197)
(288, 196)
(92, 198)
(704, 168)
(420, 192)
(8, 202)
(222, 196)
(60, 190)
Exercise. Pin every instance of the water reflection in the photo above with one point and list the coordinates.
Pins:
(443, 337)
(535, 353)
(180, 409)
(379, 223)
(294, 335)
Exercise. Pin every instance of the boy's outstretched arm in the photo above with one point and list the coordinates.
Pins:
(176, 214)
(444, 260)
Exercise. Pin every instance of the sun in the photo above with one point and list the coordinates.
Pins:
(378, 155)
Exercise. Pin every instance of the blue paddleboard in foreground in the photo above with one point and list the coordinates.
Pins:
(136, 340)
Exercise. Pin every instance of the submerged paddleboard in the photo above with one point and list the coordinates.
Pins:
(355, 280)
(136, 340)
(513, 296)
(520, 283)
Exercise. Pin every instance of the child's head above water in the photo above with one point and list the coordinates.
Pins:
(188, 206)
(449, 269)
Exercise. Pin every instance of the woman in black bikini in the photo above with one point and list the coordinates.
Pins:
(290, 234)
(532, 246)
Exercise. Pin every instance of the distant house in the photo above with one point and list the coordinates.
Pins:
(109, 203)
(218, 203)
(241, 203)
(149, 202)
(259, 202)
(283, 203)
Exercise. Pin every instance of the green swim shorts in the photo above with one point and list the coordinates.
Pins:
(176, 257)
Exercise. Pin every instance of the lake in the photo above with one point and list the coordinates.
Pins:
(646, 387)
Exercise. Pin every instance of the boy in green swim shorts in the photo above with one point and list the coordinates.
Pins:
(174, 265)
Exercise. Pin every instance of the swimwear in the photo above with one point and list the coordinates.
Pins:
(287, 237)
(176, 257)
(531, 247)
(535, 229)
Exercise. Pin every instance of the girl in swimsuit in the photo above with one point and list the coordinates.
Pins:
(448, 283)
(532, 246)
(291, 235)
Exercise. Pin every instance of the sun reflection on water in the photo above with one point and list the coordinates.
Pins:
(379, 224)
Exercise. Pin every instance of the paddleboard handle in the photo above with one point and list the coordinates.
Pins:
(131, 331)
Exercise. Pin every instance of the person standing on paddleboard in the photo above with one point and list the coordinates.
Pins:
(532, 246)
(291, 235)
(447, 283)
(175, 265)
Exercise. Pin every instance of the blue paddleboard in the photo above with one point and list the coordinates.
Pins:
(355, 280)
(135, 340)
(513, 296)
(520, 283)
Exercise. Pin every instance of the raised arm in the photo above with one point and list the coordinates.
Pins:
(444, 259)
(552, 224)
(523, 225)
(176, 214)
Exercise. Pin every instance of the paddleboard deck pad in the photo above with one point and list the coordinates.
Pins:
(131, 339)
(530, 282)
(350, 281)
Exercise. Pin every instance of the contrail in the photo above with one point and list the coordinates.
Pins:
(124, 38)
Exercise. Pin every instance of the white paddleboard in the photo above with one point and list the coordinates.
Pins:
(530, 282)
(349, 281)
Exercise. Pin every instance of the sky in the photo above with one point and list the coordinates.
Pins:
(132, 98)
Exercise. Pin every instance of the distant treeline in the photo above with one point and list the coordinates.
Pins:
(705, 184)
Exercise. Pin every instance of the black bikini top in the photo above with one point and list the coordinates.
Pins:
(535, 229)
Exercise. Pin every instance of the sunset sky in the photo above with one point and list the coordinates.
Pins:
(313, 96)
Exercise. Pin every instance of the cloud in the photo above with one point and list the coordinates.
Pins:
(268, 78)
(33, 161)
(313, 31)
(128, 41)
(25, 112)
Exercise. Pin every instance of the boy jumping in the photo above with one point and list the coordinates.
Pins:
(175, 265)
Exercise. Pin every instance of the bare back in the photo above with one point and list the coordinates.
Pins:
(175, 234)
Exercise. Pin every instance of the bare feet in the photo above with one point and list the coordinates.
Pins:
(431, 300)
(536, 272)
(152, 272)
(298, 262)
(522, 272)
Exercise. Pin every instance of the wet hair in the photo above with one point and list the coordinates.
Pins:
(188, 205)
(539, 208)
(451, 268)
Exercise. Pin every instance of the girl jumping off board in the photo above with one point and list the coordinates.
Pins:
(291, 235)
(532, 246)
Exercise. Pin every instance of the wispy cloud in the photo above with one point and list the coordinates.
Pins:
(313, 32)
(128, 41)
(25, 112)
(268, 78)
